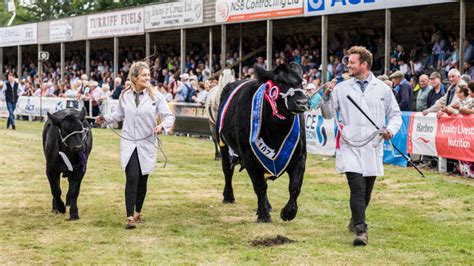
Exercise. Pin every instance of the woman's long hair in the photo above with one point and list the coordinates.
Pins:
(135, 70)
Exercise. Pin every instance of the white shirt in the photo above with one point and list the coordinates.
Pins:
(138, 123)
(379, 103)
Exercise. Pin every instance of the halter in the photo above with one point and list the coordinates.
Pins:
(273, 92)
(84, 131)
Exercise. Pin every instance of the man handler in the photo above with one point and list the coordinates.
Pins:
(360, 150)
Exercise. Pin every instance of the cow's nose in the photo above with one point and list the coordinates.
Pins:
(302, 101)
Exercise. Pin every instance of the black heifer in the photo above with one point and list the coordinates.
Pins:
(67, 143)
(235, 134)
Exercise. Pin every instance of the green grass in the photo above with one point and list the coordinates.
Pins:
(412, 220)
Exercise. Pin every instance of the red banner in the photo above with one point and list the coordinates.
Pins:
(455, 137)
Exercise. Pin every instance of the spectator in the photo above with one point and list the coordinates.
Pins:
(450, 96)
(438, 89)
(416, 67)
(462, 93)
(12, 92)
(404, 68)
(201, 94)
(422, 93)
(468, 51)
(438, 50)
(467, 107)
(118, 88)
(469, 68)
(181, 93)
(314, 97)
(402, 90)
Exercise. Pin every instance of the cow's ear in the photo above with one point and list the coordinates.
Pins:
(52, 118)
(83, 113)
(263, 75)
(297, 68)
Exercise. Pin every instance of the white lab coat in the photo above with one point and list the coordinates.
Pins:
(140, 122)
(379, 103)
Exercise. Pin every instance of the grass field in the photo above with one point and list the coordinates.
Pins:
(412, 220)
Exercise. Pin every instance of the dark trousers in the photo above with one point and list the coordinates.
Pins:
(135, 188)
(11, 117)
(361, 190)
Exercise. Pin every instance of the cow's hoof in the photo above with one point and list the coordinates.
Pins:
(217, 158)
(288, 213)
(54, 211)
(61, 208)
(264, 220)
(73, 218)
(228, 201)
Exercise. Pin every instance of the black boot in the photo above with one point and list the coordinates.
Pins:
(362, 236)
(351, 227)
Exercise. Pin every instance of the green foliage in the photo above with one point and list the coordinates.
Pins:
(412, 220)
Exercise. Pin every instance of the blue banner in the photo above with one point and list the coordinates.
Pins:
(391, 156)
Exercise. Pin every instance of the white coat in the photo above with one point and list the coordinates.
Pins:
(379, 103)
(138, 123)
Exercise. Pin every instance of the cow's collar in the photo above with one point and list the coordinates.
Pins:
(274, 161)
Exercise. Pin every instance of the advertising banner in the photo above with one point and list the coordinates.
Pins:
(184, 12)
(19, 35)
(422, 134)
(244, 10)
(455, 137)
(61, 30)
(390, 155)
(320, 134)
(326, 7)
(119, 23)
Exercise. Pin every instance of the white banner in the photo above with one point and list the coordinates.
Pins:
(181, 13)
(320, 134)
(325, 7)
(19, 35)
(243, 10)
(30, 106)
(127, 22)
(422, 134)
(61, 30)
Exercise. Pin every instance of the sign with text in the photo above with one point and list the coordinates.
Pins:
(184, 12)
(455, 137)
(422, 134)
(326, 7)
(320, 133)
(61, 30)
(19, 35)
(243, 10)
(119, 23)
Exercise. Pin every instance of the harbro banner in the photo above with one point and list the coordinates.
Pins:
(422, 134)
(455, 137)
(244, 10)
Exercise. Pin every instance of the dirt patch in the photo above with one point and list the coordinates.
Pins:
(270, 242)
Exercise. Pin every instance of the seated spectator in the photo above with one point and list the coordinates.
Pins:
(201, 94)
(402, 90)
(182, 91)
(416, 67)
(386, 80)
(314, 96)
(469, 68)
(404, 68)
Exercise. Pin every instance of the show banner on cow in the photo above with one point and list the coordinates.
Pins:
(455, 137)
(245, 10)
(320, 134)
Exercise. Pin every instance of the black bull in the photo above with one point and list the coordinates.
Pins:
(236, 131)
(67, 132)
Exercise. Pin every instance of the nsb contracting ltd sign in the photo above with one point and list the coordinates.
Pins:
(245, 10)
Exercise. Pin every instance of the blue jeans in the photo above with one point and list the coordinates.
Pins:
(11, 117)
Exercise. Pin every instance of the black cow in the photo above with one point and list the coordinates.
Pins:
(235, 133)
(67, 143)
